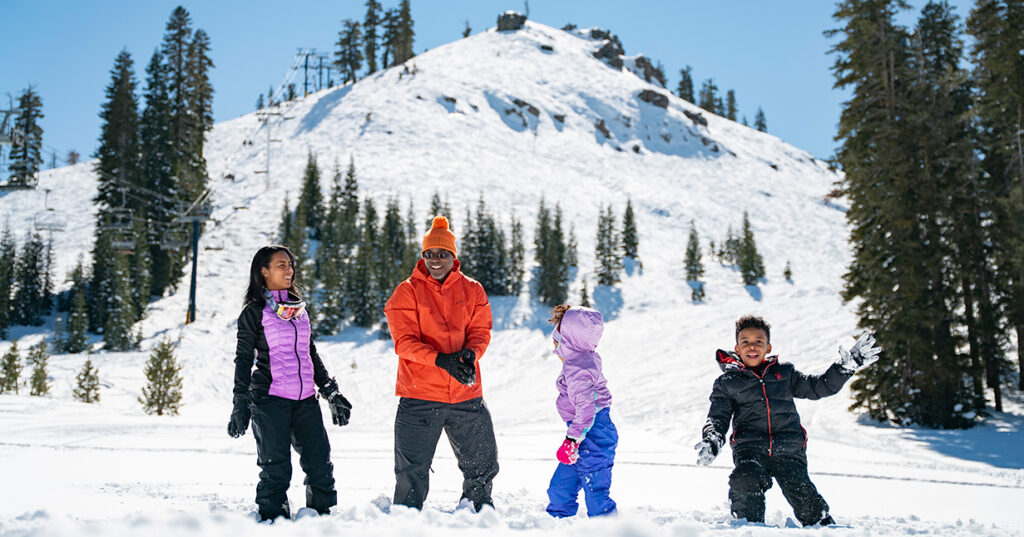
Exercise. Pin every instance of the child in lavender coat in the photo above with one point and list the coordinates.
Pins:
(588, 452)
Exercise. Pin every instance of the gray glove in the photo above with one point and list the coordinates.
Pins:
(708, 448)
(863, 353)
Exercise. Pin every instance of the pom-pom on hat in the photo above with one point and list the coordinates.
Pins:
(439, 236)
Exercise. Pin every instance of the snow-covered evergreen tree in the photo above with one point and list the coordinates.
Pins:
(162, 393)
(87, 383)
(10, 369)
(39, 357)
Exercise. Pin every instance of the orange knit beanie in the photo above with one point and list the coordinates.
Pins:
(439, 236)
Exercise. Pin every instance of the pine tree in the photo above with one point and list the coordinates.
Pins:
(749, 260)
(412, 247)
(997, 26)
(730, 105)
(141, 270)
(121, 314)
(361, 287)
(259, 102)
(389, 37)
(311, 198)
(731, 246)
(438, 208)
(162, 393)
(760, 123)
(551, 273)
(30, 276)
(584, 295)
(26, 148)
(709, 96)
(11, 366)
(572, 257)
(897, 242)
(608, 251)
(467, 30)
(157, 163)
(8, 270)
(175, 49)
(787, 273)
(87, 384)
(516, 259)
(117, 157)
(77, 327)
(630, 239)
(393, 242)
(370, 24)
(405, 34)
(685, 88)
(332, 257)
(348, 58)
(694, 265)
(348, 225)
(200, 105)
(39, 382)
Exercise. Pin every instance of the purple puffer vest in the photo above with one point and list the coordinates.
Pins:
(290, 364)
(582, 388)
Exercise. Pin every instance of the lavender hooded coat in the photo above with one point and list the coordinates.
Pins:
(582, 390)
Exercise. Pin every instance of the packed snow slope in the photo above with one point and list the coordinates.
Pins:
(515, 117)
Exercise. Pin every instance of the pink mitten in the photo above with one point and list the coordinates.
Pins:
(567, 454)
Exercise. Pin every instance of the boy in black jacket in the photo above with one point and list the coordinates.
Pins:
(756, 393)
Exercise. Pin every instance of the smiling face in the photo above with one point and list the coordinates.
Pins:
(439, 262)
(278, 275)
(752, 346)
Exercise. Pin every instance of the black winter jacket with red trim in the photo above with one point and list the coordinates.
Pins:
(761, 408)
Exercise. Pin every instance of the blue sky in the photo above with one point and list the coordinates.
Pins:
(773, 54)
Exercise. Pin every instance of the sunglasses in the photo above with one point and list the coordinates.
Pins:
(442, 255)
(292, 309)
(556, 336)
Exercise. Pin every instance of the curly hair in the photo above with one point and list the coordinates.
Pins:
(556, 315)
(751, 321)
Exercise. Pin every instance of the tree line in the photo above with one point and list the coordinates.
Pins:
(930, 145)
(352, 258)
(709, 99)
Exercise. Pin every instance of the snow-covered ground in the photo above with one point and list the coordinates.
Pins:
(452, 124)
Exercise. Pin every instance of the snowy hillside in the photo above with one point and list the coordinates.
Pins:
(517, 117)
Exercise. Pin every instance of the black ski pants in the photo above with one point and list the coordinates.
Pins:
(753, 476)
(278, 425)
(418, 426)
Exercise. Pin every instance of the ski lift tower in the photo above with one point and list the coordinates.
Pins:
(199, 211)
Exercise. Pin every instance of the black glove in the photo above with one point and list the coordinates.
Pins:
(468, 358)
(453, 364)
(240, 416)
(341, 409)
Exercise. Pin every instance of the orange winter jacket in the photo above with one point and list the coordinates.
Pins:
(426, 317)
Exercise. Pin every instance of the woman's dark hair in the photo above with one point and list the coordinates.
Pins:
(260, 261)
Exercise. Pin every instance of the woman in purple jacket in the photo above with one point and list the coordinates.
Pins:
(279, 396)
(584, 402)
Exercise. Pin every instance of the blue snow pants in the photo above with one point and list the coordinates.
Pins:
(592, 473)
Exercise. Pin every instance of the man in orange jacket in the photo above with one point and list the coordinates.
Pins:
(440, 321)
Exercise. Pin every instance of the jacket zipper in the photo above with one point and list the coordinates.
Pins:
(299, 362)
(767, 406)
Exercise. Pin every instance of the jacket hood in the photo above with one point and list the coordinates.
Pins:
(728, 361)
(581, 330)
(420, 272)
